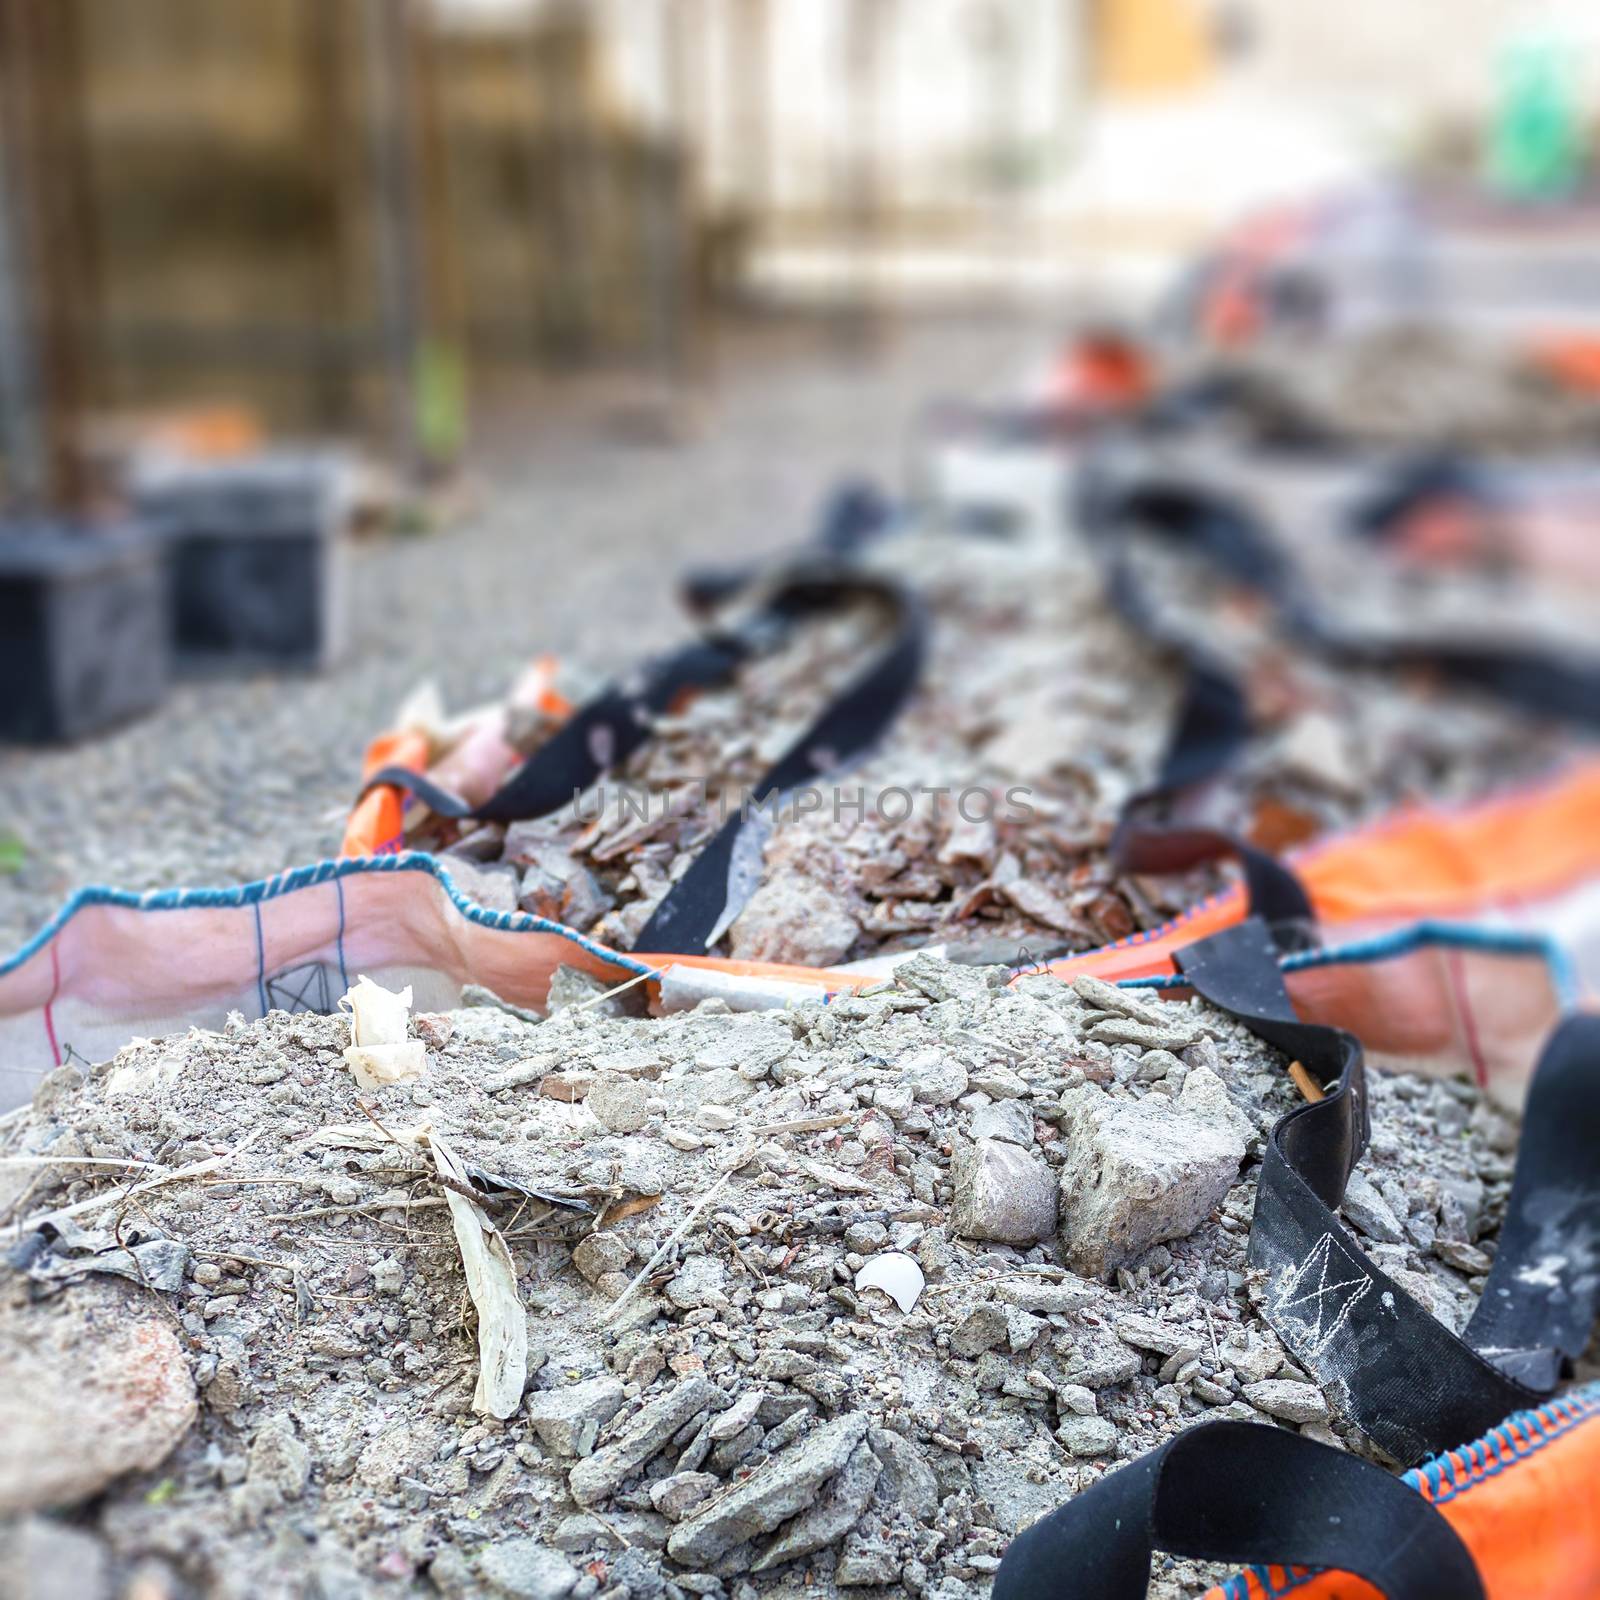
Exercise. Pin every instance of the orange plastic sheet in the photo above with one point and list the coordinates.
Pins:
(376, 825)
(1513, 855)
(1525, 1500)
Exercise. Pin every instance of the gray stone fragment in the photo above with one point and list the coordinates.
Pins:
(1088, 1436)
(527, 1569)
(621, 1104)
(831, 1516)
(948, 980)
(698, 1282)
(770, 1495)
(569, 987)
(677, 1496)
(907, 1479)
(1137, 1172)
(1124, 1002)
(981, 1329)
(1078, 1398)
(1048, 1297)
(1010, 1120)
(1205, 1096)
(738, 1416)
(1148, 1333)
(793, 919)
(568, 1419)
(933, 1078)
(1143, 1035)
(1253, 1362)
(1154, 1065)
(865, 1561)
(278, 1459)
(1003, 1193)
(643, 1530)
(1100, 1360)
(1365, 1209)
(601, 1253)
(1022, 1329)
(1292, 1402)
(593, 1479)
(99, 1368)
(41, 1559)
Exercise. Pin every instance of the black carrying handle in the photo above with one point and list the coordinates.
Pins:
(606, 730)
(700, 905)
(1254, 1493)
(1406, 1380)
(1218, 527)
(1243, 1493)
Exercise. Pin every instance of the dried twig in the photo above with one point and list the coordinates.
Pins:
(671, 1239)
(365, 1207)
(196, 1169)
(608, 994)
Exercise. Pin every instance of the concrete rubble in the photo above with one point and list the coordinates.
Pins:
(743, 1417)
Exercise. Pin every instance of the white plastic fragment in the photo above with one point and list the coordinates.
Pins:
(380, 1050)
(683, 988)
(896, 1274)
(492, 1283)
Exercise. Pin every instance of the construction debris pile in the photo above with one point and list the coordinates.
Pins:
(981, 824)
(631, 1296)
(839, 1296)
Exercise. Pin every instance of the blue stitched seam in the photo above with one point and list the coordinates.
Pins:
(1445, 1479)
(1407, 940)
(266, 889)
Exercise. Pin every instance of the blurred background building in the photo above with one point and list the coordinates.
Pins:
(352, 217)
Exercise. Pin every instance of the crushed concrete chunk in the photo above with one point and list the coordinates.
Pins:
(981, 1329)
(793, 920)
(1046, 1296)
(1137, 1172)
(620, 1103)
(1290, 1401)
(606, 1470)
(1088, 1436)
(933, 1078)
(1204, 1095)
(835, 1512)
(675, 1497)
(1002, 1192)
(1364, 1208)
(527, 1569)
(568, 1419)
(1123, 1002)
(1010, 1120)
(100, 1367)
(1144, 1035)
(770, 1495)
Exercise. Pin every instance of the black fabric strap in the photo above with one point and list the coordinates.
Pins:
(609, 728)
(1210, 729)
(600, 734)
(699, 906)
(1243, 1493)
(1409, 1383)
(1234, 542)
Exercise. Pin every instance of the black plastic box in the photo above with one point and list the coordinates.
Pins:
(84, 633)
(255, 556)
